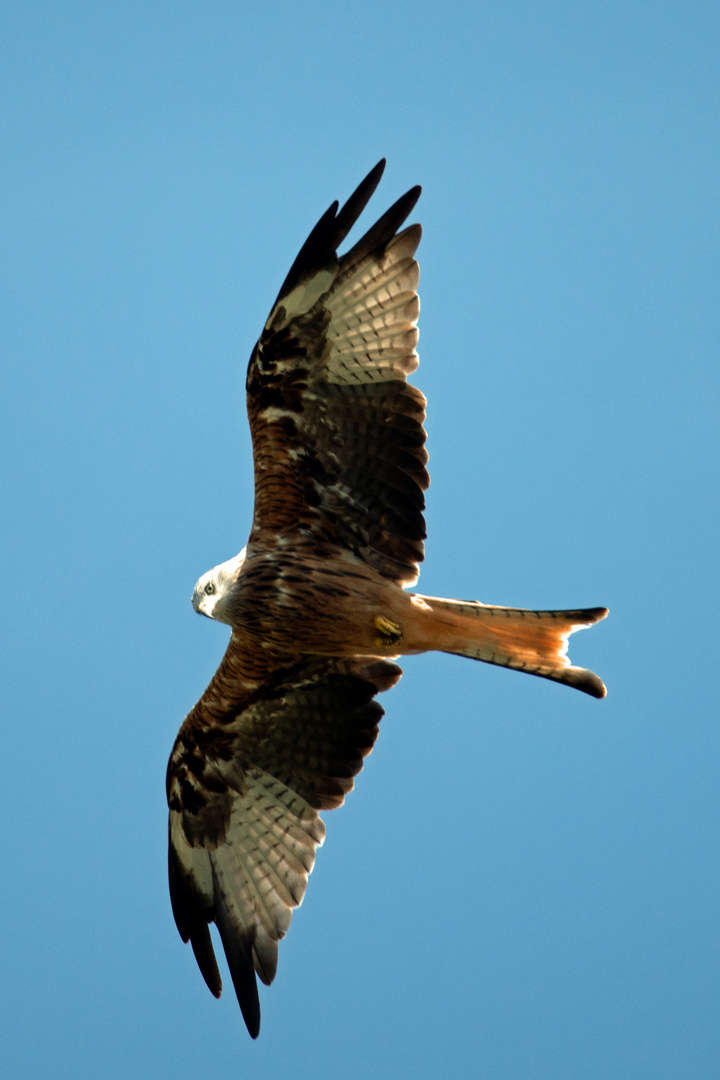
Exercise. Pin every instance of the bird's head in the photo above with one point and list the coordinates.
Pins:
(211, 592)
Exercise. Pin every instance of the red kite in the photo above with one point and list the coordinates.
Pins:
(317, 600)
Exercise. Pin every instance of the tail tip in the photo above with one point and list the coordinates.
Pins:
(585, 680)
(590, 616)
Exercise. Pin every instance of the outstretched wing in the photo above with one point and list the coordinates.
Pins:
(337, 430)
(244, 789)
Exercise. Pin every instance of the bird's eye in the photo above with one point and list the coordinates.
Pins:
(210, 588)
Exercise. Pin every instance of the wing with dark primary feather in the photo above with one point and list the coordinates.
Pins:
(245, 783)
(337, 430)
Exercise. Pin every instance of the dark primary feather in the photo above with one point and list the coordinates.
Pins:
(377, 237)
(330, 231)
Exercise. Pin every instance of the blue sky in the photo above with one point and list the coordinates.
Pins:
(524, 883)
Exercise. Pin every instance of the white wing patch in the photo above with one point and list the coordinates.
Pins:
(301, 299)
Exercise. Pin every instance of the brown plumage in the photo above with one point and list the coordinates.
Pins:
(317, 600)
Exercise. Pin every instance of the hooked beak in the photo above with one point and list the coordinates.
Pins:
(198, 603)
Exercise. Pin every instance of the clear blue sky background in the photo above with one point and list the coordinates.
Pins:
(524, 885)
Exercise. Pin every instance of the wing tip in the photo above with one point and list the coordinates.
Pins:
(238, 953)
(205, 956)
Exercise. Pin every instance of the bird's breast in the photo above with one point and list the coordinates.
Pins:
(319, 602)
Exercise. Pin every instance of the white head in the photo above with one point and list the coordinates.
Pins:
(214, 586)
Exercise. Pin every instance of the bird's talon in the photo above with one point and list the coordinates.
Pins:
(390, 631)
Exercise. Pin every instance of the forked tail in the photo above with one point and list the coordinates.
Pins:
(531, 641)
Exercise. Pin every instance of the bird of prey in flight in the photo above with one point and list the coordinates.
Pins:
(317, 601)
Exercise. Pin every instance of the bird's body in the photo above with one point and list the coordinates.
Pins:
(281, 588)
(318, 600)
